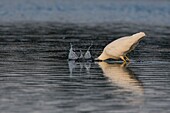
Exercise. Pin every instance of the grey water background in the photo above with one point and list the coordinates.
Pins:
(35, 76)
(86, 11)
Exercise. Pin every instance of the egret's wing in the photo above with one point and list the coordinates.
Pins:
(133, 42)
(118, 47)
(135, 39)
(113, 53)
(133, 46)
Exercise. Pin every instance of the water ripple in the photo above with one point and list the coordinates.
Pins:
(35, 75)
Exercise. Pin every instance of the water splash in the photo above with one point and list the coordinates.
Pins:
(72, 55)
(81, 55)
(88, 55)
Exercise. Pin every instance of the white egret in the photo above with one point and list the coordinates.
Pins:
(120, 47)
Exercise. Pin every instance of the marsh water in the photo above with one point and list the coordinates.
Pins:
(36, 77)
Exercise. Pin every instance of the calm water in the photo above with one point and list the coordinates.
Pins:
(35, 76)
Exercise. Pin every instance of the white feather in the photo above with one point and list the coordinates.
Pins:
(121, 46)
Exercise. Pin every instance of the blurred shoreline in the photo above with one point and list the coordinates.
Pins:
(152, 12)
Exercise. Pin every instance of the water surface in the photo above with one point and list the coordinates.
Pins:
(35, 76)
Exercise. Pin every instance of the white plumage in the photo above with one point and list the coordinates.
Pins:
(120, 47)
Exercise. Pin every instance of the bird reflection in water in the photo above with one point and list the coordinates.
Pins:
(79, 65)
(123, 77)
(116, 73)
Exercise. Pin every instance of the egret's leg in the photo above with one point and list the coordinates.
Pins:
(123, 65)
(127, 58)
(123, 58)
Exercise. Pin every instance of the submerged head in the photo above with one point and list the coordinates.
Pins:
(103, 56)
